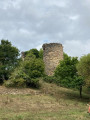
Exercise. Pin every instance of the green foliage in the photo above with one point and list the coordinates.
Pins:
(2, 72)
(32, 52)
(67, 73)
(8, 53)
(70, 82)
(8, 59)
(67, 68)
(52, 79)
(83, 68)
(49, 79)
(35, 53)
(78, 81)
(41, 53)
(17, 78)
(19, 82)
(34, 68)
(29, 57)
(28, 72)
(33, 82)
(21, 79)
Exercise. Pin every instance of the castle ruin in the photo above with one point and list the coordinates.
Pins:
(52, 55)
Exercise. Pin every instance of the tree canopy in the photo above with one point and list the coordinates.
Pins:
(28, 72)
(67, 67)
(83, 68)
(8, 59)
(67, 73)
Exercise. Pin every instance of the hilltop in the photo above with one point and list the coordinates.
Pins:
(50, 102)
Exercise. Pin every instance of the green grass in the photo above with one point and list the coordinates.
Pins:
(51, 103)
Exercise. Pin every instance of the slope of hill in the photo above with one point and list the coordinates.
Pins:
(51, 102)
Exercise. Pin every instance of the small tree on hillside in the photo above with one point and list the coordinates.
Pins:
(83, 68)
(67, 73)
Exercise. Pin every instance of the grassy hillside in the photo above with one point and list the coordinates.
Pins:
(49, 103)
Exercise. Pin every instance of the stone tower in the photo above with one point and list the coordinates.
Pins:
(53, 53)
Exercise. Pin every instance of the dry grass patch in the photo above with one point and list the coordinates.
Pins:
(51, 102)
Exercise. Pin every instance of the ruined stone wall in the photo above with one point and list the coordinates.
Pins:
(53, 53)
(23, 55)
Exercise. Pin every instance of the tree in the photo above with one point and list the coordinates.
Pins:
(27, 73)
(83, 68)
(33, 51)
(41, 53)
(67, 67)
(67, 73)
(34, 68)
(8, 59)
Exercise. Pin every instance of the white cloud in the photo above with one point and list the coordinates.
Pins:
(30, 23)
(75, 17)
(39, 47)
(76, 47)
(57, 3)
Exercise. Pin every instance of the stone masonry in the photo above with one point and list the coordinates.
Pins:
(52, 55)
(22, 55)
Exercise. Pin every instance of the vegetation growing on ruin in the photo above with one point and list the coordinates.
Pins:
(15, 72)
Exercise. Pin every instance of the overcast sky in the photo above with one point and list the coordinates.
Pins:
(31, 23)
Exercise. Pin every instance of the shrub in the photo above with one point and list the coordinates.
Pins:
(52, 79)
(57, 81)
(49, 79)
(8, 83)
(20, 82)
(28, 72)
(34, 68)
(33, 82)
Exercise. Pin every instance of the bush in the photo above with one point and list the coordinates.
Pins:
(52, 79)
(67, 72)
(8, 83)
(57, 81)
(20, 82)
(28, 72)
(34, 68)
(33, 82)
(49, 79)
(35, 74)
